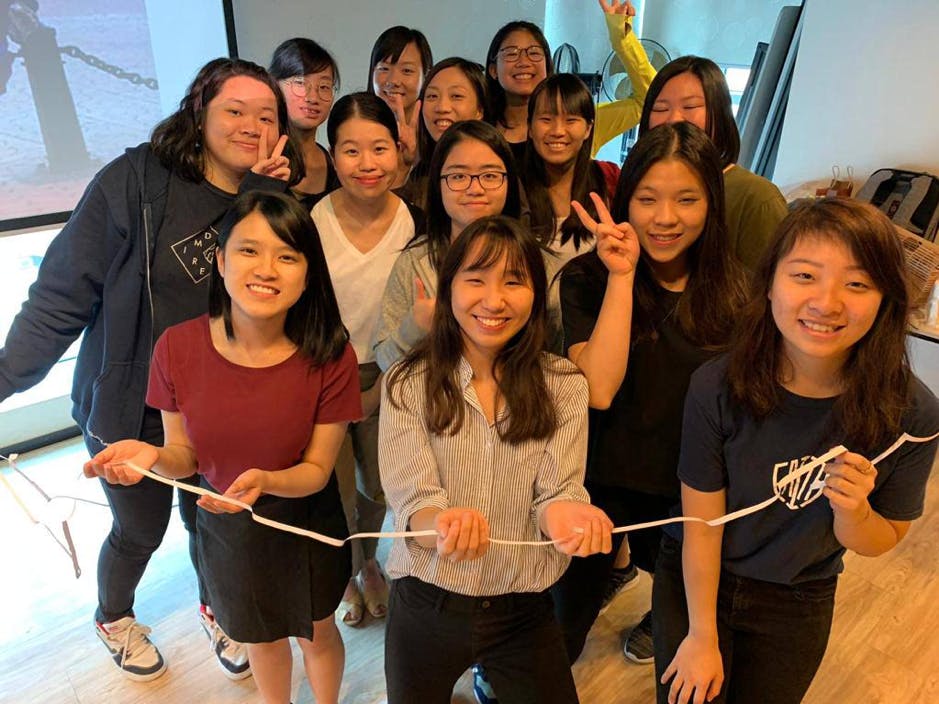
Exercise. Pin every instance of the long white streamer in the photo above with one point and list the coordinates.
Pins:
(794, 476)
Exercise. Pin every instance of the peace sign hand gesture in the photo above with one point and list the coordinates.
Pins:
(617, 244)
(618, 8)
(407, 129)
(270, 162)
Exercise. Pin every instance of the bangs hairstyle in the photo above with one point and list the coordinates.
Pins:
(568, 91)
(497, 99)
(876, 378)
(439, 225)
(177, 140)
(313, 323)
(300, 56)
(476, 76)
(719, 122)
(366, 106)
(716, 285)
(518, 365)
(391, 44)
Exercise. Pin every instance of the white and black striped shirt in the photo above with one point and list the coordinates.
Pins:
(509, 484)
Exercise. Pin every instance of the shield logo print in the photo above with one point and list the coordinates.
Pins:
(795, 488)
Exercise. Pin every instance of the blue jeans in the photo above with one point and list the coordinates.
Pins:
(772, 636)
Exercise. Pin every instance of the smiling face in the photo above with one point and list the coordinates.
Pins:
(491, 305)
(234, 120)
(264, 276)
(365, 157)
(448, 98)
(309, 98)
(668, 211)
(471, 157)
(680, 100)
(557, 136)
(403, 77)
(823, 302)
(519, 77)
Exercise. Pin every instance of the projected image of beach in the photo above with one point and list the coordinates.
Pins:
(82, 80)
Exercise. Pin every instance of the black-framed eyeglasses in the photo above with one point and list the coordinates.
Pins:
(488, 180)
(301, 88)
(513, 53)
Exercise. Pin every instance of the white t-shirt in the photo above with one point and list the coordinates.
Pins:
(359, 278)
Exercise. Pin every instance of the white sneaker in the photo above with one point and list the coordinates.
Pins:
(231, 655)
(130, 648)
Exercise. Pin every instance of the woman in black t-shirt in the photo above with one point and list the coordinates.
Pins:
(818, 361)
(640, 313)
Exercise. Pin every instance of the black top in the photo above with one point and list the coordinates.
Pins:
(332, 183)
(790, 541)
(185, 251)
(634, 443)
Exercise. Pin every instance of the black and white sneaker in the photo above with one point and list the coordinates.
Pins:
(622, 579)
(131, 649)
(231, 655)
(638, 646)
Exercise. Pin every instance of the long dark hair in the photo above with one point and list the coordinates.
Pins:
(301, 56)
(518, 365)
(439, 226)
(392, 42)
(177, 140)
(876, 378)
(313, 323)
(367, 106)
(497, 99)
(716, 282)
(575, 99)
(476, 76)
(720, 123)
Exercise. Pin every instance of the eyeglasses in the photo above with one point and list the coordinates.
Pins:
(489, 180)
(513, 53)
(301, 88)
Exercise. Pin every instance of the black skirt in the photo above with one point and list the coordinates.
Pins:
(265, 584)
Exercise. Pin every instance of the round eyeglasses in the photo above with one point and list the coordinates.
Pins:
(301, 88)
(489, 180)
(512, 53)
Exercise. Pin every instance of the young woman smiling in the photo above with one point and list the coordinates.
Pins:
(308, 77)
(641, 312)
(363, 227)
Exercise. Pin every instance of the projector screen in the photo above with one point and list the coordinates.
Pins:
(81, 80)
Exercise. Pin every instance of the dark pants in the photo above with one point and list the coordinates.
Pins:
(772, 636)
(140, 514)
(578, 595)
(433, 635)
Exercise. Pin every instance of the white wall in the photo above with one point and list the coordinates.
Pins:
(864, 91)
(349, 28)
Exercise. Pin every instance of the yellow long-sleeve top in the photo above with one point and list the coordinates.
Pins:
(621, 115)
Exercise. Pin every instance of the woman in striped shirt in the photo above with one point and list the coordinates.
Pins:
(469, 448)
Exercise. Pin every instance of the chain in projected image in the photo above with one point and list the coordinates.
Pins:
(111, 69)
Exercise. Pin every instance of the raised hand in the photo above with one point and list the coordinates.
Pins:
(423, 310)
(462, 534)
(618, 8)
(407, 129)
(247, 488)
(696, 671)
(617, 244)
(849, 482)
(270, 161)
(581, 529)
(111, 463)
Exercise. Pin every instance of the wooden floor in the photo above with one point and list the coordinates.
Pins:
(884, 645)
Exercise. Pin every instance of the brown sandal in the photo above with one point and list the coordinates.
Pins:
(375, 601)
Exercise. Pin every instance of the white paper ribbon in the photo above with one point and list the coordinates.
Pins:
(794, 476)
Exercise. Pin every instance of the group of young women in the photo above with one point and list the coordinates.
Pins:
(249, 299)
